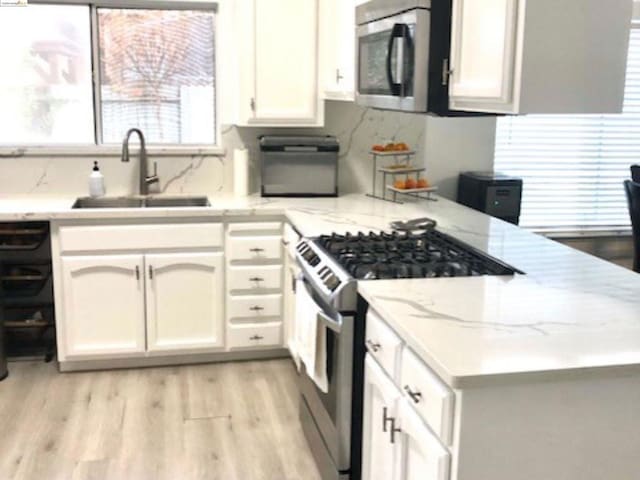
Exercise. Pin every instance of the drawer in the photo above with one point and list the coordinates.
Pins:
(140, 237)
(254, 248)
(255, 228)
(429, 395)
(251, 335)
(254, 279)
(254, 306)
(383, 344)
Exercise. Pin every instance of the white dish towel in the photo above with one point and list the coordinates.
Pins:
(311, 337)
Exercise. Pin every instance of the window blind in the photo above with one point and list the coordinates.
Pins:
(573, 166)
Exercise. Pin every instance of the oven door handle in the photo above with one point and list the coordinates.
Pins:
(329, 322)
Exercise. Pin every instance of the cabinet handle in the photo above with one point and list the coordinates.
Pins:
(374, 346)
(338, 76)
(394, 430)
(285, 242)
(137, 272)
(252, 103)
(256, 279)
(256, 250)
(415, 396)
(150, 272)
(256, 308)
(446, 72)
(385, 419)
(256, 337)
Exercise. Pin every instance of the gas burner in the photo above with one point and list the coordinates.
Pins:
(407, 254)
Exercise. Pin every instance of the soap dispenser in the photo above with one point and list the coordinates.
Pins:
(96, 182)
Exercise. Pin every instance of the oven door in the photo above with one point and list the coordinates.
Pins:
(393, 62)
(327, 416)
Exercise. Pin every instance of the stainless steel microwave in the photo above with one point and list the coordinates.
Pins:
(403, 55)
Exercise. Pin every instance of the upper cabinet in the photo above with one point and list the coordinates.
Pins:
(337, 49)
(539, 56)
(277, 46)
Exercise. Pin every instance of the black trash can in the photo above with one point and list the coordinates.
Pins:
(3, 350)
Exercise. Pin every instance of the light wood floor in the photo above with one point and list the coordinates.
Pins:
(218, 421)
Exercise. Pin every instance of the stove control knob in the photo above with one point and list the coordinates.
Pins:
(332, 282)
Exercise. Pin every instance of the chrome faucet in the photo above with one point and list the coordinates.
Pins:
(145, 178)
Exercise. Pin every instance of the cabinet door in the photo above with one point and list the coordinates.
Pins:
(423, 456)
(337, 43)
(483, 54)
(292, 270)
(184, 302)
(379, 455)
(285, 60)
(103, 311)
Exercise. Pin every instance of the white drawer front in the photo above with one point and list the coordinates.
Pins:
(429, 395)
(254, 335)
(254, 306)
(254, 279)
(255, 228)
(254, 248)
(140, 237)
(383, 344)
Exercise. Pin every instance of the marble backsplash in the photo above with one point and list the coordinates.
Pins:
(355, 127)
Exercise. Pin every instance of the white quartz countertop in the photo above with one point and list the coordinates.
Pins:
(571, 313)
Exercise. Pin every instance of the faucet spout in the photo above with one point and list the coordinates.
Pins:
(145, 178)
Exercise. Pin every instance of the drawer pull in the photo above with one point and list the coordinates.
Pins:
(256, 337)
(415, 396)
(256, 250)
(256, 279)
(137, 272)
(385, 419)
(394, 430)
(256, 308)
(374, 346)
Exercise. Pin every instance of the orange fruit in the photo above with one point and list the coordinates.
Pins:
(390, 147)
(399, 184)
(423, 183)
(410, 184)
(378, 148)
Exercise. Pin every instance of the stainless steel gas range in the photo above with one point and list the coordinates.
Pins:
(332, 265)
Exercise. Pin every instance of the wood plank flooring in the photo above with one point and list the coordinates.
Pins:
(202, 422)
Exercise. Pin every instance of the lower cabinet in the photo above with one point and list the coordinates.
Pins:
(184, 301)
(103, 305)
(123, 305)
(397, 444)
(379, 454)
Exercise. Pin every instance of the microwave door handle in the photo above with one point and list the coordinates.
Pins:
(407, 67)
(398, 31)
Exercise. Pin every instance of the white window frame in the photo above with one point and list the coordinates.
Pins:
(108, 150)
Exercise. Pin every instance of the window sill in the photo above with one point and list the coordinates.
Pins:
(611, 232)
(109, 151)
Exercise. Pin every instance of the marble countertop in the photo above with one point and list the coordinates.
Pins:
(570, 313)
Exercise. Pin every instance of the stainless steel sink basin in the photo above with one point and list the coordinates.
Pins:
(173, 202)
(106, 202)
(136, 202)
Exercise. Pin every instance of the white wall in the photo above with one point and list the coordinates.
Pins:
(454, 145)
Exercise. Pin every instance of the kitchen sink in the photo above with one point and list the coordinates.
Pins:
(169, 202)
(113, 202)
(137, 202)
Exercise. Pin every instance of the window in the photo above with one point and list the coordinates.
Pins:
(573, 166)
(154, 69)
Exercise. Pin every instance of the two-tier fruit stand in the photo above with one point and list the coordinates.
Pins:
(401, 167)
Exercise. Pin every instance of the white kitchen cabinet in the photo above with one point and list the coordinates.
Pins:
(542, 56)
(278, 50)
(104, 311)
(380, 457)
(337, 48)
(184, 301)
